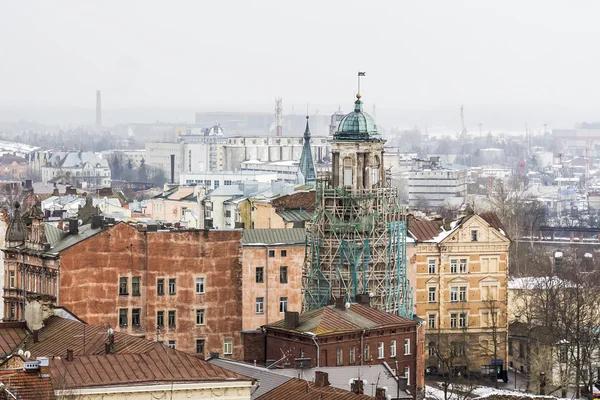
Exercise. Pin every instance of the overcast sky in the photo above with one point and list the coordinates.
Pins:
(201, 54)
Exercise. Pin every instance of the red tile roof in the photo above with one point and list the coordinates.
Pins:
(158, 365)
(26, 385)
(296, 389)
(422, 231)
(60, 334)
(11, 336)
(492, 219)
(331, 320)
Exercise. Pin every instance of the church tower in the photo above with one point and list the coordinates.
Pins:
(357, 238)
(307, 165)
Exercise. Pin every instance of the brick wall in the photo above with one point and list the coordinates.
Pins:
(90, 272)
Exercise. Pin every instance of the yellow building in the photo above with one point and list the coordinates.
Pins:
(461, 290)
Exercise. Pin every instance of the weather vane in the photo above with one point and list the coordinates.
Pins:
(359, 75)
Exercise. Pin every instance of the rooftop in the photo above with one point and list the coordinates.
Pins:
(330, 320)
(295, 215)
(25, 385)
(296, 389)
(357, 125)
(12, 335)
(273, 236)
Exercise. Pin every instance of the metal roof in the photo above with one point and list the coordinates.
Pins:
(274, 236)
(84, 232)
(266, 380)
(11, 336)
(158, 365)
(297, 389)
(295, 215)
(332, 320)
(60, 334)
(423, 230)
(357, 125)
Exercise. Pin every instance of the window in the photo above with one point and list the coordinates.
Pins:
(463, 266)
(172, 320)
(271, 253)
(259, 275)
(510, 347)
(123, 286)
(431, 321)
(200, 314)
(380, 350)
(454, 293)
(123, 317)
(453, 319)
(135, 317)
(431, 349)
(200, 285)
(406, 346)
(301, 352)
(347, 172)
(172, 287)
(521, 350)
(216, 183)
(283, 253)
(283, 278)
(431, 295)
(431, 266)
(489, 264)
(135, 286)
(160, 287)
(367, 355)
(160, 319)
(473, 235)
(200, 342)
(228, 346)
(12, 279)
(227, 182)
(462, 320)
(339, 359)
(393, 348)
(453, 266)
(489, 292)
(172, 344)
(260, 305)
(462, 293)
(227, 213)
(283, 304)
(352, 355)
(563, 354)
(407, 375)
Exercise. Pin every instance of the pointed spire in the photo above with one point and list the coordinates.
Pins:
(307, 166)
(16, 232)
(307, 130)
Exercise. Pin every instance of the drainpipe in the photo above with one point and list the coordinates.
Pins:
(362, 347)
(266, 279)
(312, 335)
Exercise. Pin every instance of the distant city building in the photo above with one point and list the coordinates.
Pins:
(214, 179)
(14, 167)
(125, 156)
(87, 169)
(431, 183)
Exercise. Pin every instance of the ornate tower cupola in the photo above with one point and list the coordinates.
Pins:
(357, 151)
(307, 165)
(16, 233)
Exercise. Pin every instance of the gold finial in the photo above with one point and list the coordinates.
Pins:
(358, 96)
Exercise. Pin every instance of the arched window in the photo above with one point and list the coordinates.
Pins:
(348, 172)
(375, 171)
(431, 348)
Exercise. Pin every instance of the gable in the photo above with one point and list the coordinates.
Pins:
(485, 232)
(458, 280)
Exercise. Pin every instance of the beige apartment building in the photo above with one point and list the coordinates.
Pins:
(461, 290)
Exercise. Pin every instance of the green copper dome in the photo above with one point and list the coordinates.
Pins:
(358, 125)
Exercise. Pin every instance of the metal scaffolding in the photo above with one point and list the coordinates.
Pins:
(356, 243)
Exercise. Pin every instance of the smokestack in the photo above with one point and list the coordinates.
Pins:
(98, 109)
(172, 168)
(69, 355)
(36, 336)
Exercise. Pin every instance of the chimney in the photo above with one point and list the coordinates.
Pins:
(340, 303)
(73, 227)
(402, 382)
(291, 319)
(363, 299)
(380, 394)
(36, 336)
(357, 386)
(111, 337)
(28, 184)
(97, 221)
(107, 348)
(172, 168)
(44, 366)
(321, 379)
(69, 355)
(55, 192)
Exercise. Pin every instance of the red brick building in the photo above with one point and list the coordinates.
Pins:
(346, 335)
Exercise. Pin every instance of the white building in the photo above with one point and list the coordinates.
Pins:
(86, 168)
(284, 170)
(135, 156)
(431, 184)
(213, 180)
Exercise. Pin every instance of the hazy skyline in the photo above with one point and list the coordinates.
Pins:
(224, 54)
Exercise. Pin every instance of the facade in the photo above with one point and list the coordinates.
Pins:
(272, 262)
(13, 167)
(85, 168)
(432, 183)
(345, 334)
(461, 289)
(291, 210)
(125, 156)
(179, 203)
(357, 238)
(212, 180)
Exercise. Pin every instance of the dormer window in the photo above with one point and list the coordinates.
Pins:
(474, 235)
